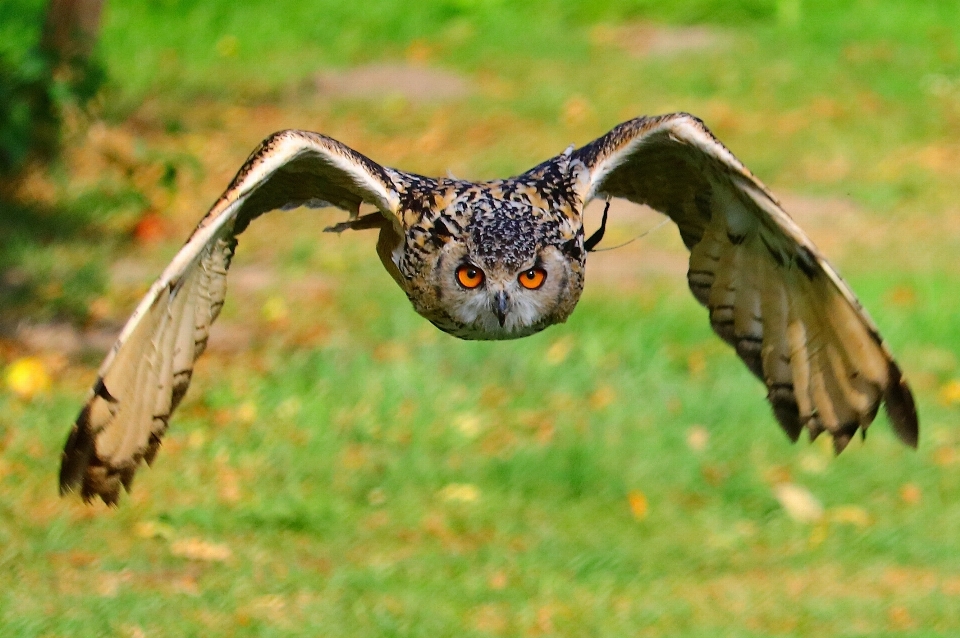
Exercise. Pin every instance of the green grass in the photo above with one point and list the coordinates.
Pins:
(321, 454)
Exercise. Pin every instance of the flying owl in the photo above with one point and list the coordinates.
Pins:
(505, 259)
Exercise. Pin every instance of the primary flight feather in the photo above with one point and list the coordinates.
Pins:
(505, 259)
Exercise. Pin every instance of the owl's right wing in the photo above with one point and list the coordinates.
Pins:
(148, 370)
(770, 293)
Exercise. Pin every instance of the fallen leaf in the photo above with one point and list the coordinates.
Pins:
(697, 438)
(467, 424)
(696, 363)
(944, 456)
(851, 515)
(200, 550)
(559, 351)
(275, 310)
(196, 439)
(460, 493)
(799, 503)
(576, 111)
(109, 583)
(150, 229)
(289, 408)
(813, 463)
(639, 506)
(498, 580)
(900, 618)
(153, 529)
(950, 392)
(247, 412)
(910, 493)
(27, 377)
(903, 296)
(602, 397)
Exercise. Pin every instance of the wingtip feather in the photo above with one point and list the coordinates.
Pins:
(77, 454)
(901, 408)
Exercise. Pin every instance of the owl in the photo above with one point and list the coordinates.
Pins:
(505, 259)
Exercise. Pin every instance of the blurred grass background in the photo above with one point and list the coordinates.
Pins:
(341, 468)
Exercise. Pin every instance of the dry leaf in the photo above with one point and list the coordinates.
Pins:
(697, 438)
(639, 506)
(498, 580)
(275, 310)
(950, 392)
(27, 377)
(851, 515)
(799, 503)
(460, 493)
(467, 424)
(153, 529)
(576, 111)
(900, 618)
(696, 363)
(150, 229)
(813, 463)
(559, 351)
(910, 493)
(247, 412)
(602, 397)
(199, 549)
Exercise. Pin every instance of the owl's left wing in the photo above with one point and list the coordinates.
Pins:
(770, 293)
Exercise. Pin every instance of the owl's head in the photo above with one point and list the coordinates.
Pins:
(508, 275)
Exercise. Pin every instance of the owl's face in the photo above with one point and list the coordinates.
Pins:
(490, 269)
(490, 299)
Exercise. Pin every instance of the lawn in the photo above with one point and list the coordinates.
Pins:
(341, 468)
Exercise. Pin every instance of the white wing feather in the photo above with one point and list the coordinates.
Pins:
(148, 370)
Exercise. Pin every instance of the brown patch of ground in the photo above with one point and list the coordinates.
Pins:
(380, 81)
(645, 39)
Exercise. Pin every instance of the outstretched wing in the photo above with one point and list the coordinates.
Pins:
(771, 294)
(147, 371)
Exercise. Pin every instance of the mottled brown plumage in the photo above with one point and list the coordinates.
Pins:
(505, 259)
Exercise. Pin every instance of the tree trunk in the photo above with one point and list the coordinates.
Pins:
(70, 31)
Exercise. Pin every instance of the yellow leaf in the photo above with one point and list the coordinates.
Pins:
(27, 377)
(851, 515)
(944, 456)
(697, 438)
(498, 580)
(799, 503)
(950, 392)
(602, 397)
(275, 310)
(576, 111)
(460, 493)
(153, 529)
(559, 350)
(910, 493)
(468, 425)
(697, 363)
(196, 439)
(819, 534)
(639, 506)
(247, 412)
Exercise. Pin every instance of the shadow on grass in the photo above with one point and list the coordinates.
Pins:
(52, 262)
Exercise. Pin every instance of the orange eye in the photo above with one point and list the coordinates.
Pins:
(469, 276)
(532, 278)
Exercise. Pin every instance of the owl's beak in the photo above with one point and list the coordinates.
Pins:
(500, 307)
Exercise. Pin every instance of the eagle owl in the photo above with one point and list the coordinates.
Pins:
(505, 259)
